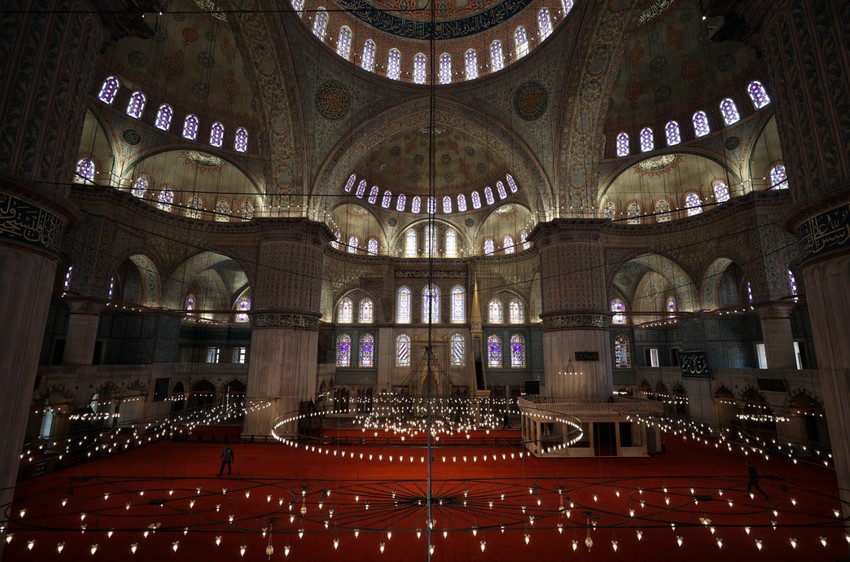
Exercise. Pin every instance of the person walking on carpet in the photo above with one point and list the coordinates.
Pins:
(226, 459)
(506, 419)
(754, 480)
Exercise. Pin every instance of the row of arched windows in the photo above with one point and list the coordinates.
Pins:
(516, 353)
(242, 306)
(165, 115)
(672, 133)
(618, 309)
(431, 305)
(496, 312)
(144, 184)
(445, 73)
(508, 244)
(418, 204)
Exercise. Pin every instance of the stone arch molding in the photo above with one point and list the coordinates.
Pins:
(181, 277)
(687, 296)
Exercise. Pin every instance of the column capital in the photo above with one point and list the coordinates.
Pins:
(775, 309)
(83, 305)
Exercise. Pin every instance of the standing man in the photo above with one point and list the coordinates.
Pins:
(226, 459)
(754, 480)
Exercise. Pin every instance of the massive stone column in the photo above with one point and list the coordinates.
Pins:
(575, 319)
(285, 321)
(776, 333)
(83, 321)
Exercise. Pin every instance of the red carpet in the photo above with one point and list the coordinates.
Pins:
(474, 501)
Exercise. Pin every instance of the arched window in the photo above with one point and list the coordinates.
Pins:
(430, 235)
(217, 134)
(729, 111)
(140, 186)
(343, 350)
(544, 23)
(222, 211)
(701, 127)
(165, 199)
(298, 5)
(353, 243)
(749, 292)
(508, 244)
(721, 191)
(410, 246)
(451, 243)
(497, 57)
(69, 274)
(494, 312)
(476, 200)
(511, 183)
(419, 63)
(662, 210)
(349, 185)
(367, 350)
(320, 23)
(109, 90)
(403, 306)
(368, 61)
(517, 351)
(792, 283)
(471, 59)
(647, 140)
(136, 105)
(190, 127)
(247, 211)
(343, 44)
(674, 136)
(163, 117)
(430, 304)
(523, 239)
(243, 305)
(778, 176)
(488, 195)
(416, 205)
(500, 189)
(445, 68)
(372, 246)
(394, 64)
(458, 305)
(567, 6)
(361, 189)
(432, 205)
(373, 194)
(461, 203)
(85, 171)
(193, 208)
(489, 247)
(623, 144)
(111, 292)
(458, 352)
(622, 353)
(521, 42)
(400, 202)
(494, 352)
(366, 312)
(516, 312)
(670, 304)
(693, 204)
(618, 307)
(447, 204)
(241, 143)
(402, 351)
(633, 213)
(610, 210)
(758, 94)
(189, 304)
(345, 311)
(337, 239)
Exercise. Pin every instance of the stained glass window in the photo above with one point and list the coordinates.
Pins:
(345, 311)
(217, 134)
(567, 5)
(758, 94)
(111, 291)
(343, 44)
(497, 57)
(368, 61)
(451, 243)
(671, 306)
(193, 208)
(361, 189)
(623, 144)
(432, 205)
(476, 200)
(521, 40)
(729, 111)
(508, 244)
(243, 305)
(458, 304)
(190, 127)
(349, 185)
(517, 351)
(618, 307)
(445, 68)
(430, 304)
(489, 247)
(403, 306)
(693, 204)
(222, 211)
(165, 199)
(458, 350)
(372, 246)
(523, 239)
(69, 274)
(647, 140)
(633, 213)
(163, 117)
(353, 243)
(494, 352)
(140, 186)
(419, 62)
(136, 105)
(461, 203)
(402, 351)
(367, 350)
(701, 127)
(778, 177)
(415, 204)
(662, 210)
(516, 311)
(394, 64)
(622, 353)
(471, 59)
(749, 292)
(610, 210)
(792, 283)
(500, 189)
(373, 194)
(320, 23)
(400, 202)
(511, 183)
(337, 238)
(189, 304)
(430, 235)
(343, 350)
(85, 171)
(298, 5)
(241, 144)
(674, 136)
(721, 191)
(494, 312)
(488, 195)
(366, 313)
(410, 246)
(544, 23)
(447, 204)
(109, 90)
(247, 211)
